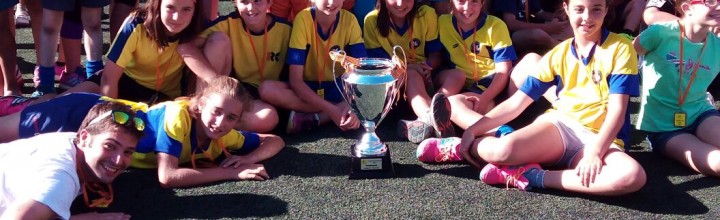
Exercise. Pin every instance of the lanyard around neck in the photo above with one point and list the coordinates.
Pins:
(325, 56)
(258, 60)
(411, 44)
(681, 95)
(467, 56)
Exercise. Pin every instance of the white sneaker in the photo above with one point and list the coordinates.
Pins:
(21, 16)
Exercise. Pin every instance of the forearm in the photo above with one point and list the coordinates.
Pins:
(269, 147)
(186, 177)
(109, 80)
(196, 61)
(614, 120)
(500, 81)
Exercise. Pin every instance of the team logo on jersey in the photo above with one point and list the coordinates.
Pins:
(456, 45)
(274, 57)
(415, 43)
(596, 76)
(476, 47)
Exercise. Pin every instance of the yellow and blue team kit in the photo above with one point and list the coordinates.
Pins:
(417, 39)
(584, 84)
(256, 56)
(169, 128)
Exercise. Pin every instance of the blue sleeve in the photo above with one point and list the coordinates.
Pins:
(121, 39)
(252, 142)
(356, 50)
(535, 88)
(504, 6)
(624, 84)
(165, 144)
(378, 53)
(296, 56)
(433, 46)
(505, 54)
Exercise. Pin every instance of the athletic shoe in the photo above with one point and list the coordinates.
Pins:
(509, 175)
(440, 116)
(21, 16)
(415, 131)
(302, 121)
(12, 104)
(439, 150)
(69, 80)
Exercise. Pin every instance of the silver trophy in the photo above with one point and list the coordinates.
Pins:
(370, 86)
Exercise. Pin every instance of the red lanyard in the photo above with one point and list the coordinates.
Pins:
(682, 96)
(106, 197)
(263, 54)
(467, 57)
(207, 152)
(160, 77)
(527, 10)
(326, 56)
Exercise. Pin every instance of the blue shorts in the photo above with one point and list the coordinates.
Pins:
(7, 4)
(481, 85)
(69, 5)
(330, 90)
(658, 140)
(61, 114)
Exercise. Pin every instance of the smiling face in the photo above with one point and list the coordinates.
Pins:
(176, 15)
(399, 8)
(107, 154)
(586, 17)
(253, 12)
(219, 114)
(467, 12)
(701, 13)
(328, 7)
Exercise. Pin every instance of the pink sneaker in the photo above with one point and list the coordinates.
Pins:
(439, 150)
(301, 121)
(69, 80)
(510, 175)
(12, 104)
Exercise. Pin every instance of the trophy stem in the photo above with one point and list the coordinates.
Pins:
(370, 144)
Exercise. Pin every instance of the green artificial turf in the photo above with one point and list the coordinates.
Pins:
(309, 181)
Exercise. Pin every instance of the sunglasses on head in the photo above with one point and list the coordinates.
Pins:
(121, 118)
(708, 3)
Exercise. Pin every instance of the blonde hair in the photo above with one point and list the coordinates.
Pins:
(225, 86)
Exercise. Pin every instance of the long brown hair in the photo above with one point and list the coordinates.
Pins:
(383, 18)
(150, 14)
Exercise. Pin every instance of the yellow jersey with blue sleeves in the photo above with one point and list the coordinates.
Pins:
(490, 43)
(306, 49)
(585, 84)
(170, 129)
(422, 37)
(142, 61)
(247, 60)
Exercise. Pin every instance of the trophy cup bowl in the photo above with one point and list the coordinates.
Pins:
(370, 86)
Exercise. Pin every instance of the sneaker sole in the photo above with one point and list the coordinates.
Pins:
(414, 133)
(440, 116)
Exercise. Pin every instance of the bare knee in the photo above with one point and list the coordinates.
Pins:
(497, 150)
(629, 178)
(218, 40)
(269, 90)
(713, 165)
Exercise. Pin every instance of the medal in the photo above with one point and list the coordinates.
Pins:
(321, 92)
(680, 119)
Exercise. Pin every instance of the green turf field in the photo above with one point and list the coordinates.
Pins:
(309, 181)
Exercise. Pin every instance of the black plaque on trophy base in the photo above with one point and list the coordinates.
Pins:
(370, 167)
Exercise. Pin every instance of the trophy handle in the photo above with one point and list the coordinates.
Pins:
(399, 71)
(339, 56)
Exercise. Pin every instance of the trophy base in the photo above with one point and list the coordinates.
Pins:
(370, 167)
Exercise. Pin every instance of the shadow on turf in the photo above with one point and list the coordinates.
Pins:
(138, 193)
(659, 195)
(291, 162)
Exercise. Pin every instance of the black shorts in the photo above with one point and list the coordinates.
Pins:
(69, 5)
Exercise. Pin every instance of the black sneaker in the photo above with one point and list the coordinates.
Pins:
(440, 116)
(415, 131)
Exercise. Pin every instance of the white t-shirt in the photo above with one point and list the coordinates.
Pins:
(41, 168)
